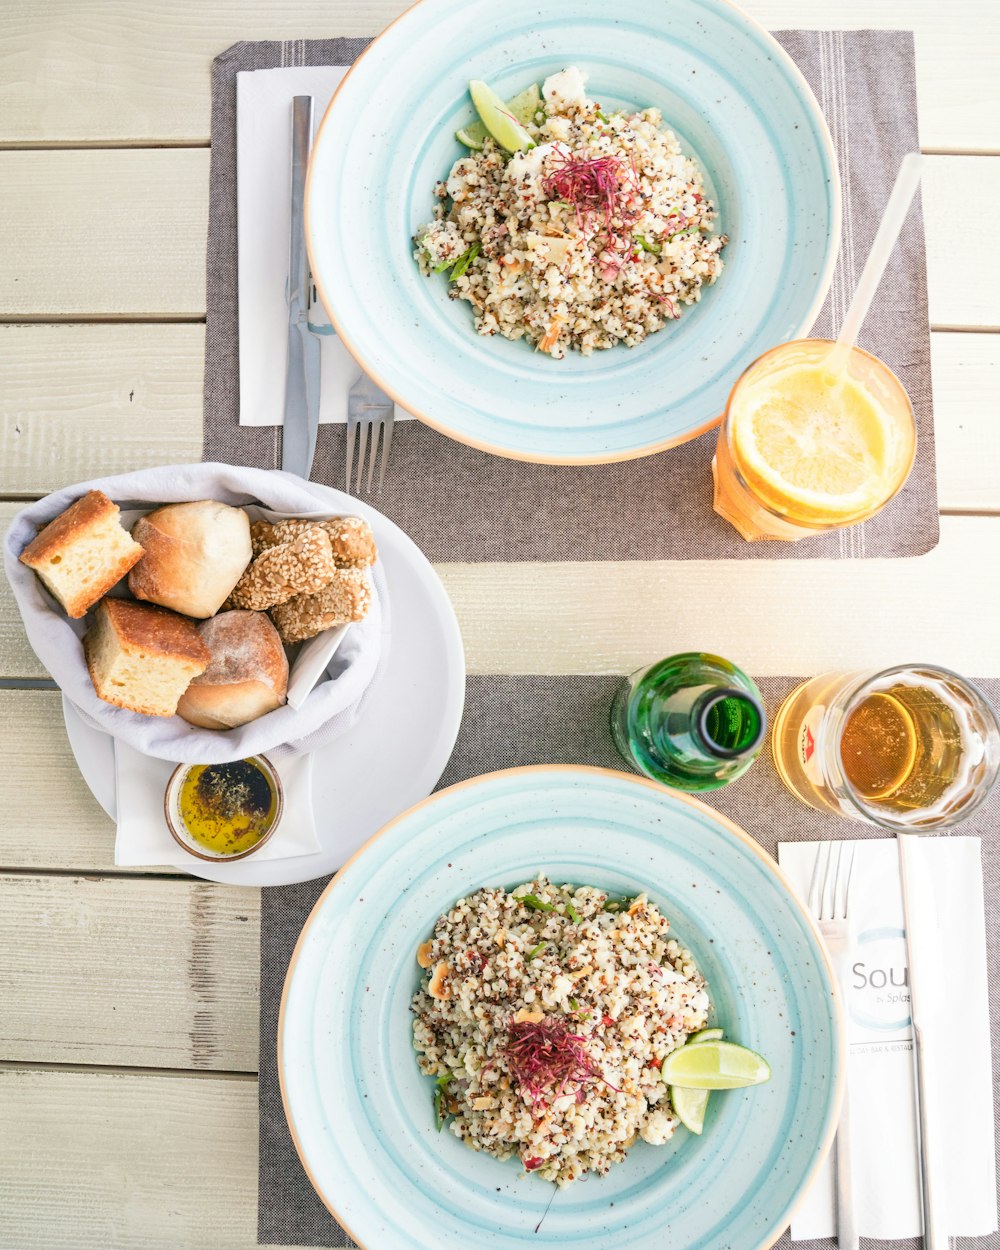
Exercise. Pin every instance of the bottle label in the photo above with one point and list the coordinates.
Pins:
(808, 756)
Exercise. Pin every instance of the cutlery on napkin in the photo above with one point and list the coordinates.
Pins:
(263, 142)
(880, 1042)
(302, 370)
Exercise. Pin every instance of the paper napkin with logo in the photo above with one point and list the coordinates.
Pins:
(880, 1037)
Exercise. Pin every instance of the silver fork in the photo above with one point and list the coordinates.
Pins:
(370, 411)
(829, 896)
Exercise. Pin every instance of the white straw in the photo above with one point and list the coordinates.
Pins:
(905, 188)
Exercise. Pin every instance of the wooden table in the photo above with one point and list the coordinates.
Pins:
(128, 999)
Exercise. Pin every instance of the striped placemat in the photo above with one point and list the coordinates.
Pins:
(523, 719)
(457, 503)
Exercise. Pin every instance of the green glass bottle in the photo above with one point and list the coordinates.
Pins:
(691, 721)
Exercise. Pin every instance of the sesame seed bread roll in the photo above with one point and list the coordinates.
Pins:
(81, 554)
(195, 555)
(247, 676)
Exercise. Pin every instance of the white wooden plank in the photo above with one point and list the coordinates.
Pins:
(79, 401)
(781, 616)
(82, 401)
(99, 233)
(769, 616)
(50, 818)
(122, 234)
(961, 282)
(119, 1161)
(129, 972)
(107, 72)
(966, 371)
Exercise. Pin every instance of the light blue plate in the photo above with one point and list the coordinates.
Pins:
(738, 104)
(361, 1113)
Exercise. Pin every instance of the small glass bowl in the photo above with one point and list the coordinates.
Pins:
(179, 831)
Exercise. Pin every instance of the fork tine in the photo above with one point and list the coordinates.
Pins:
(386, 443)
(844, 876)
(352, 428)
(377, 428)
(365, 427)
(818, 883)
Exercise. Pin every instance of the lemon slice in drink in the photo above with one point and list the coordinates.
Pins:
(523, 106)
(690, 1106)
(814, 444)
(706, 1035)
(714, 1065)
(497, 118)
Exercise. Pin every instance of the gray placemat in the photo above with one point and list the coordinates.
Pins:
(514, 720)
(457, 503)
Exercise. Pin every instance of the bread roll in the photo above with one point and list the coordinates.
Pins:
(195, 555)
(142, 658)
(82, 553)
(247, 676)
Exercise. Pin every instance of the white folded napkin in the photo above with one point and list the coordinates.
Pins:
(143, 838)
(880, 1036)
(263, 191)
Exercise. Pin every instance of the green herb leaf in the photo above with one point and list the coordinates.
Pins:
(601, 116)
(677, 233)
(574, 1005)
(646, 246)
(443, 266)
(535, 950)
(464, 262)
(440, 1085)
(533, 903)
(573, 914)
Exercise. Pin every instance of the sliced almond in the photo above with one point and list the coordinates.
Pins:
(638, 905)
(424, 954)
(484, 1104)
(438, 987)
(524, 1016)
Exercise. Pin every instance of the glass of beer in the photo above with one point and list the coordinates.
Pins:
(816, 436)
(914, 748)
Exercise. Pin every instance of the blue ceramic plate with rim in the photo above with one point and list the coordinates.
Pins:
(735, 100)
(361, 1114)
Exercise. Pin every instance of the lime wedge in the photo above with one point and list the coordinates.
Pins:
(498, 120)
(706, 1035)
(690, 1106)
(714, 1065)
(523, 106)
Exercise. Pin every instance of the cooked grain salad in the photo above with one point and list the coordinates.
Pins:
(544, 1015)
(597, 235)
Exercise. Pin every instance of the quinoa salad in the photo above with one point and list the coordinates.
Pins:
(597, 234)
(544, 1015)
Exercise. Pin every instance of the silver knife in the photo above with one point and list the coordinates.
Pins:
(302, 380)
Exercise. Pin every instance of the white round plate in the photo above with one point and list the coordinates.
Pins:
(395, 754)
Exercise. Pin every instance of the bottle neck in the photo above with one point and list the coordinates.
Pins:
(727, 722)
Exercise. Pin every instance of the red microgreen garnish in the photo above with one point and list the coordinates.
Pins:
(601, 191)
(547, 1054)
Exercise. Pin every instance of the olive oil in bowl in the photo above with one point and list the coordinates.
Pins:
(223, 811)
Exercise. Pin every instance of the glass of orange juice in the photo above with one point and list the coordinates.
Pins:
(816, 436)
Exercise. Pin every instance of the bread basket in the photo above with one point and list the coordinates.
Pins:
(331, 708)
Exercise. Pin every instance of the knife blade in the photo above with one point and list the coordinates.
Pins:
(301, 395)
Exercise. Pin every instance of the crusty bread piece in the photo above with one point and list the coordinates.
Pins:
(247, 677)
(195, 554)
(142, 658)
(299, 567)
(346, 598)
(82, 553)
(351, 539)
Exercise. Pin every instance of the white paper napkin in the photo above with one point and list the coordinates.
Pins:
(263, 177)
(880, 1062)
(144, 839)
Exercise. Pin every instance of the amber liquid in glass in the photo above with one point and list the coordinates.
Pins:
(902, 748)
